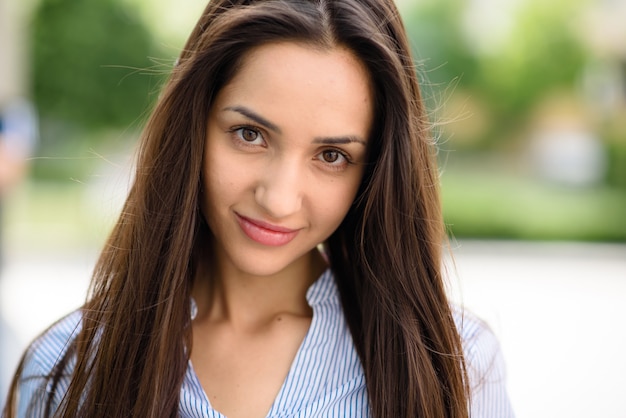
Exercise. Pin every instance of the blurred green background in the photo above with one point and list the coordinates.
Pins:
(527, 99)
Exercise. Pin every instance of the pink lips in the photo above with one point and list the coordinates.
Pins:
(265, 233)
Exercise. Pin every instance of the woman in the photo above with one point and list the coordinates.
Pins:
(285, 124)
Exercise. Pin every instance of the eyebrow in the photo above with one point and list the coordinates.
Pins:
(255, 117)
(338, 140)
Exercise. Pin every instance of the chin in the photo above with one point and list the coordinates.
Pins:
(261, 269)
(265, 263)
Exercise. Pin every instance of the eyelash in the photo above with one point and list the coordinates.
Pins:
(237, 133)
(337, 167)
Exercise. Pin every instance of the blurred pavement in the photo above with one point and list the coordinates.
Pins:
(557, 308)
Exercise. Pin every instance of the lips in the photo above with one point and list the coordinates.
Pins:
(265, 233)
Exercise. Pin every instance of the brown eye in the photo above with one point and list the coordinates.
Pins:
(334, 159)
(330, 156)
(249, 135)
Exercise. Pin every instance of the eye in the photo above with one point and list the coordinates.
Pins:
(248, 135)
(331, 156)
(334, 158)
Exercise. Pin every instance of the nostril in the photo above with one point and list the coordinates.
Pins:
(279, 199)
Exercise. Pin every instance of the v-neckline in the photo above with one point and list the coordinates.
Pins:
(282, 399)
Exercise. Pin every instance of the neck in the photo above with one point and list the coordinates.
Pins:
(227, 295)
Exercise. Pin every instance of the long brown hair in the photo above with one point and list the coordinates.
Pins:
(132, 351)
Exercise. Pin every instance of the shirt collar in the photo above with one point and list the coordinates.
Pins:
(323, 290)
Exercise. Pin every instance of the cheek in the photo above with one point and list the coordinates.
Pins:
(219, 177)
(212, 186)
(335, 204)
(226, 181)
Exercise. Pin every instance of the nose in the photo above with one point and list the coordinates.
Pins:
(280, 189)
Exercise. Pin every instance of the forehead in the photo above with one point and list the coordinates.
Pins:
(290, 81)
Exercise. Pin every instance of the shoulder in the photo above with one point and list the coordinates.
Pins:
(39, 364)
(485, 366)
(48, 348)
(479, 341)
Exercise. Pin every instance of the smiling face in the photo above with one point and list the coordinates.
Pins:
(285, 153)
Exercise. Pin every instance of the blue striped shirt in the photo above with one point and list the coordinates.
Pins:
(325, 380)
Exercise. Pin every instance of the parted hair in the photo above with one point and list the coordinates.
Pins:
(131, 354)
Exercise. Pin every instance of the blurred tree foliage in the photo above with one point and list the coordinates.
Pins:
(543, 52)
(491, 87)
(90, 74)
(436, 33)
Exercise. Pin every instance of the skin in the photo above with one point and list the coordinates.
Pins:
(285, 150)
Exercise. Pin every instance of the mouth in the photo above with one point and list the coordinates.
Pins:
(265, 233)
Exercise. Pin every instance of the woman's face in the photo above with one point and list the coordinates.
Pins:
(285, 153)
